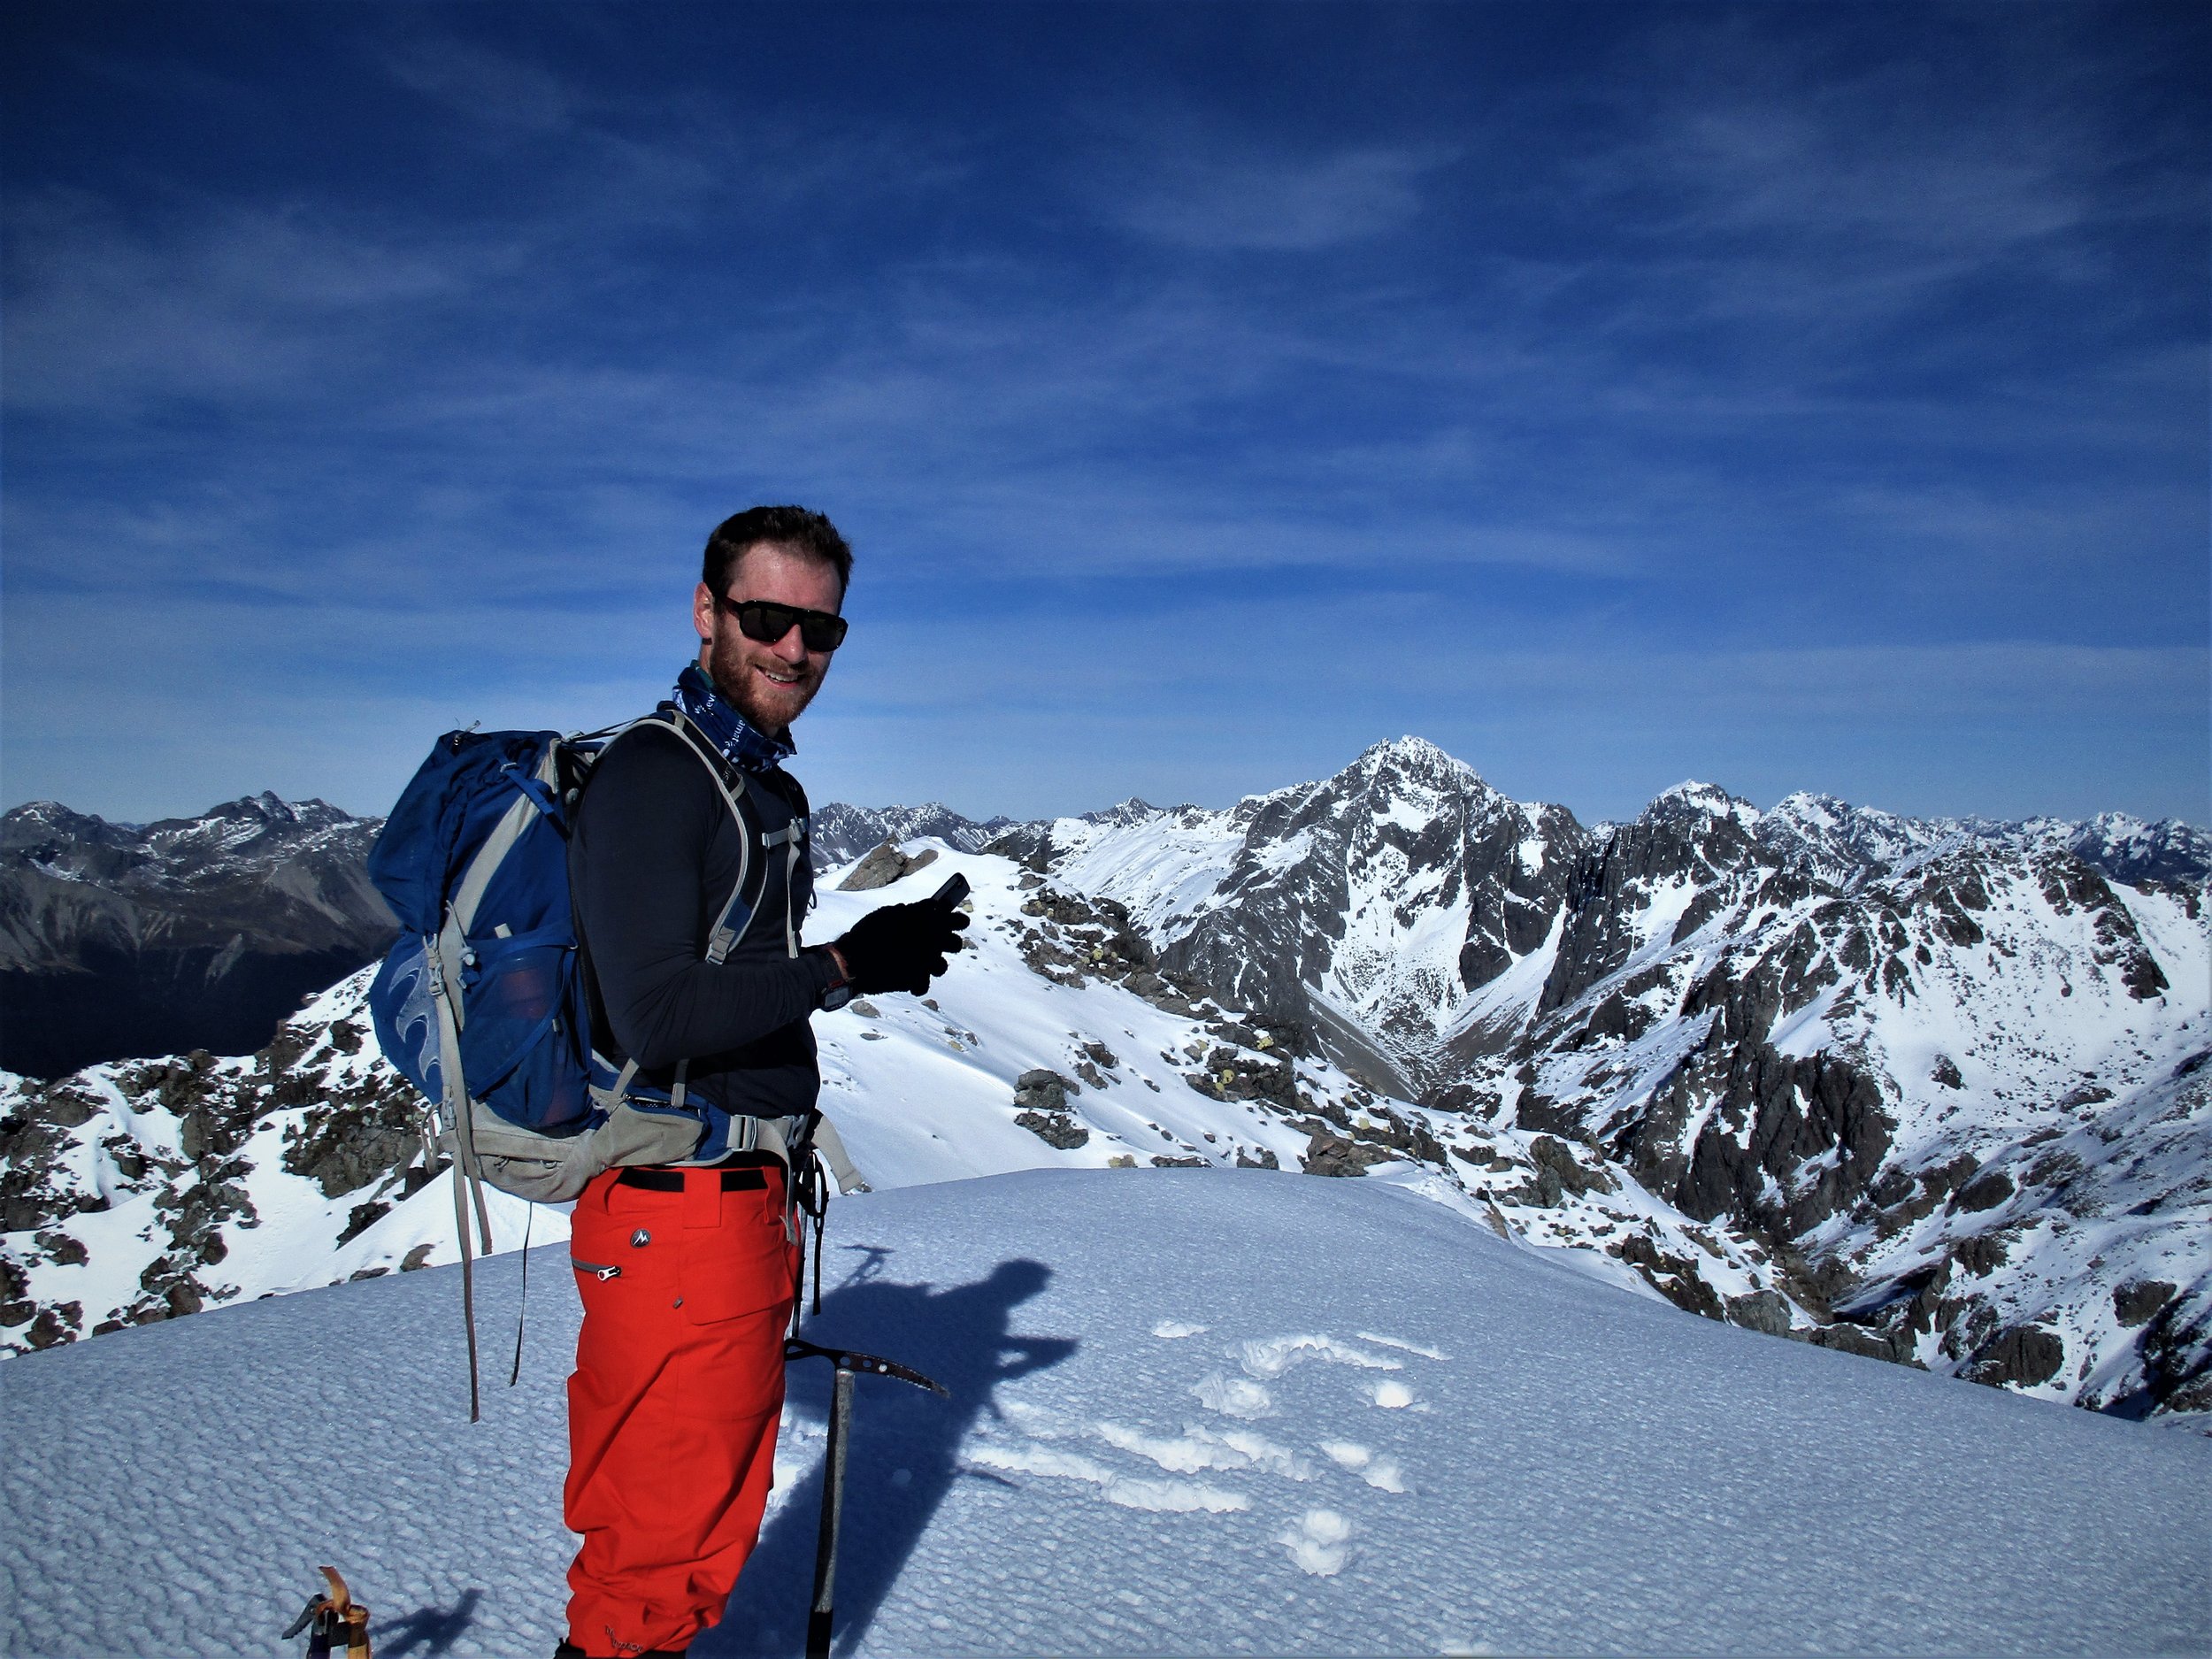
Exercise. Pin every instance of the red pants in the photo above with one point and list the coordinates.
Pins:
(673, 1405)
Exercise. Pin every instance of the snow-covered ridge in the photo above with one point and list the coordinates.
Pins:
(1304, 1417)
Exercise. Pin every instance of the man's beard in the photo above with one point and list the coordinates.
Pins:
(769, 714)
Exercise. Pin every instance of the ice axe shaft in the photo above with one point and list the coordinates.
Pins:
(819, 1616)
(849, 1365)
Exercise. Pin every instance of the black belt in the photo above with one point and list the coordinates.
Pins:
(745, 1178)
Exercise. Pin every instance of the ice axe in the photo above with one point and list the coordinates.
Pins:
(339, 1624)
(848, 1366)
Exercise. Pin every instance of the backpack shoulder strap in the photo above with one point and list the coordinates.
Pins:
(723, 936)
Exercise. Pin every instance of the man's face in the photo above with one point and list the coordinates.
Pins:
(768, 684)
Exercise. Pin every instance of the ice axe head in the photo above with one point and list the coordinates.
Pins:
(863, 1365)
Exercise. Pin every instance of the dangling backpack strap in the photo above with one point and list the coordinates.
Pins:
(830, 1144)
(448, 955)
(458, 1111)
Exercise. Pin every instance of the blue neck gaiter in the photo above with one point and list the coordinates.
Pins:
(740, 742)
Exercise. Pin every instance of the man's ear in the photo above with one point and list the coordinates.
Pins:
(702, 611)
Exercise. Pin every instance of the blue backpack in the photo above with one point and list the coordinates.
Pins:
(482, 832)
(481, 1003)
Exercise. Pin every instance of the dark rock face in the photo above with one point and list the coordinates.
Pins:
(1687, 834)
(1042, 1097)
(1985, 1192)
(188, 933)
(355, 1137)
(1328, 1153)
(1039, 1090)
(1981, 1255)
(1851, 1339)
(2024, 1355)
(1057, 1129)
(883, 866)
(1676, 1277)
(1762, 1310)
(1766, 1117)
(2138, 1301)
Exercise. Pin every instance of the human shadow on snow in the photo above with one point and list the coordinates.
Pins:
(433, 1629)
(903, 1454)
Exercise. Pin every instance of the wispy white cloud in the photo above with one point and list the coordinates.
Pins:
(497, 89)
(1177, 177)
(1793, 177)
(113, 316)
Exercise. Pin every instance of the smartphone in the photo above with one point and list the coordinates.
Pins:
(950, 895)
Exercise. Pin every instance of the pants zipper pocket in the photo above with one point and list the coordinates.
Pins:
(594, 1270)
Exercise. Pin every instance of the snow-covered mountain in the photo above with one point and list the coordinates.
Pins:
(1842, 839)
(1364, 907)
(1191, 1411)
(119, 938)
(1934, 1090)
(1946, 1079)
(138, 1191)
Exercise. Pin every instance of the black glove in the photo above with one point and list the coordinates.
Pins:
(902, 947)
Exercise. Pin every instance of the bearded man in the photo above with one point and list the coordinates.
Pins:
(689, 864)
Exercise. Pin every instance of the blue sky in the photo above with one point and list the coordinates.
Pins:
(1785, 396)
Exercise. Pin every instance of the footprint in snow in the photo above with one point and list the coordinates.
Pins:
(1319, 1542)
(1160, 1497)
(1198, 1448)
(1233, 1396)
(1382, 1473)
(1270, 1356)
(1173, 1328)
(1391, 1394)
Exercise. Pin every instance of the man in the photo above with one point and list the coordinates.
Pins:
(700, 980)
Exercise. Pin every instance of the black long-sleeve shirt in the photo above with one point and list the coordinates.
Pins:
(653, 856)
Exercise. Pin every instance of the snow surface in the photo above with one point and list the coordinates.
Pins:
(1193, 1411)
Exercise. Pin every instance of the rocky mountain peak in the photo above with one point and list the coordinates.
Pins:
(47, 832)
(840, 833)
(1414, 758)
(1135, 810)
(1842, 840)
(44, 812)
(1692, 799)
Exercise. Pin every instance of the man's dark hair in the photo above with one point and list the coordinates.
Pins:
(793, 527)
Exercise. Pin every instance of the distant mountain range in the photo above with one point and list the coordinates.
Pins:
(1936, 1091)
(841, 834)
(130, 941)
(125, 939)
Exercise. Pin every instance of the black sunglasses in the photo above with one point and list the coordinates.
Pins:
(758, 620)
